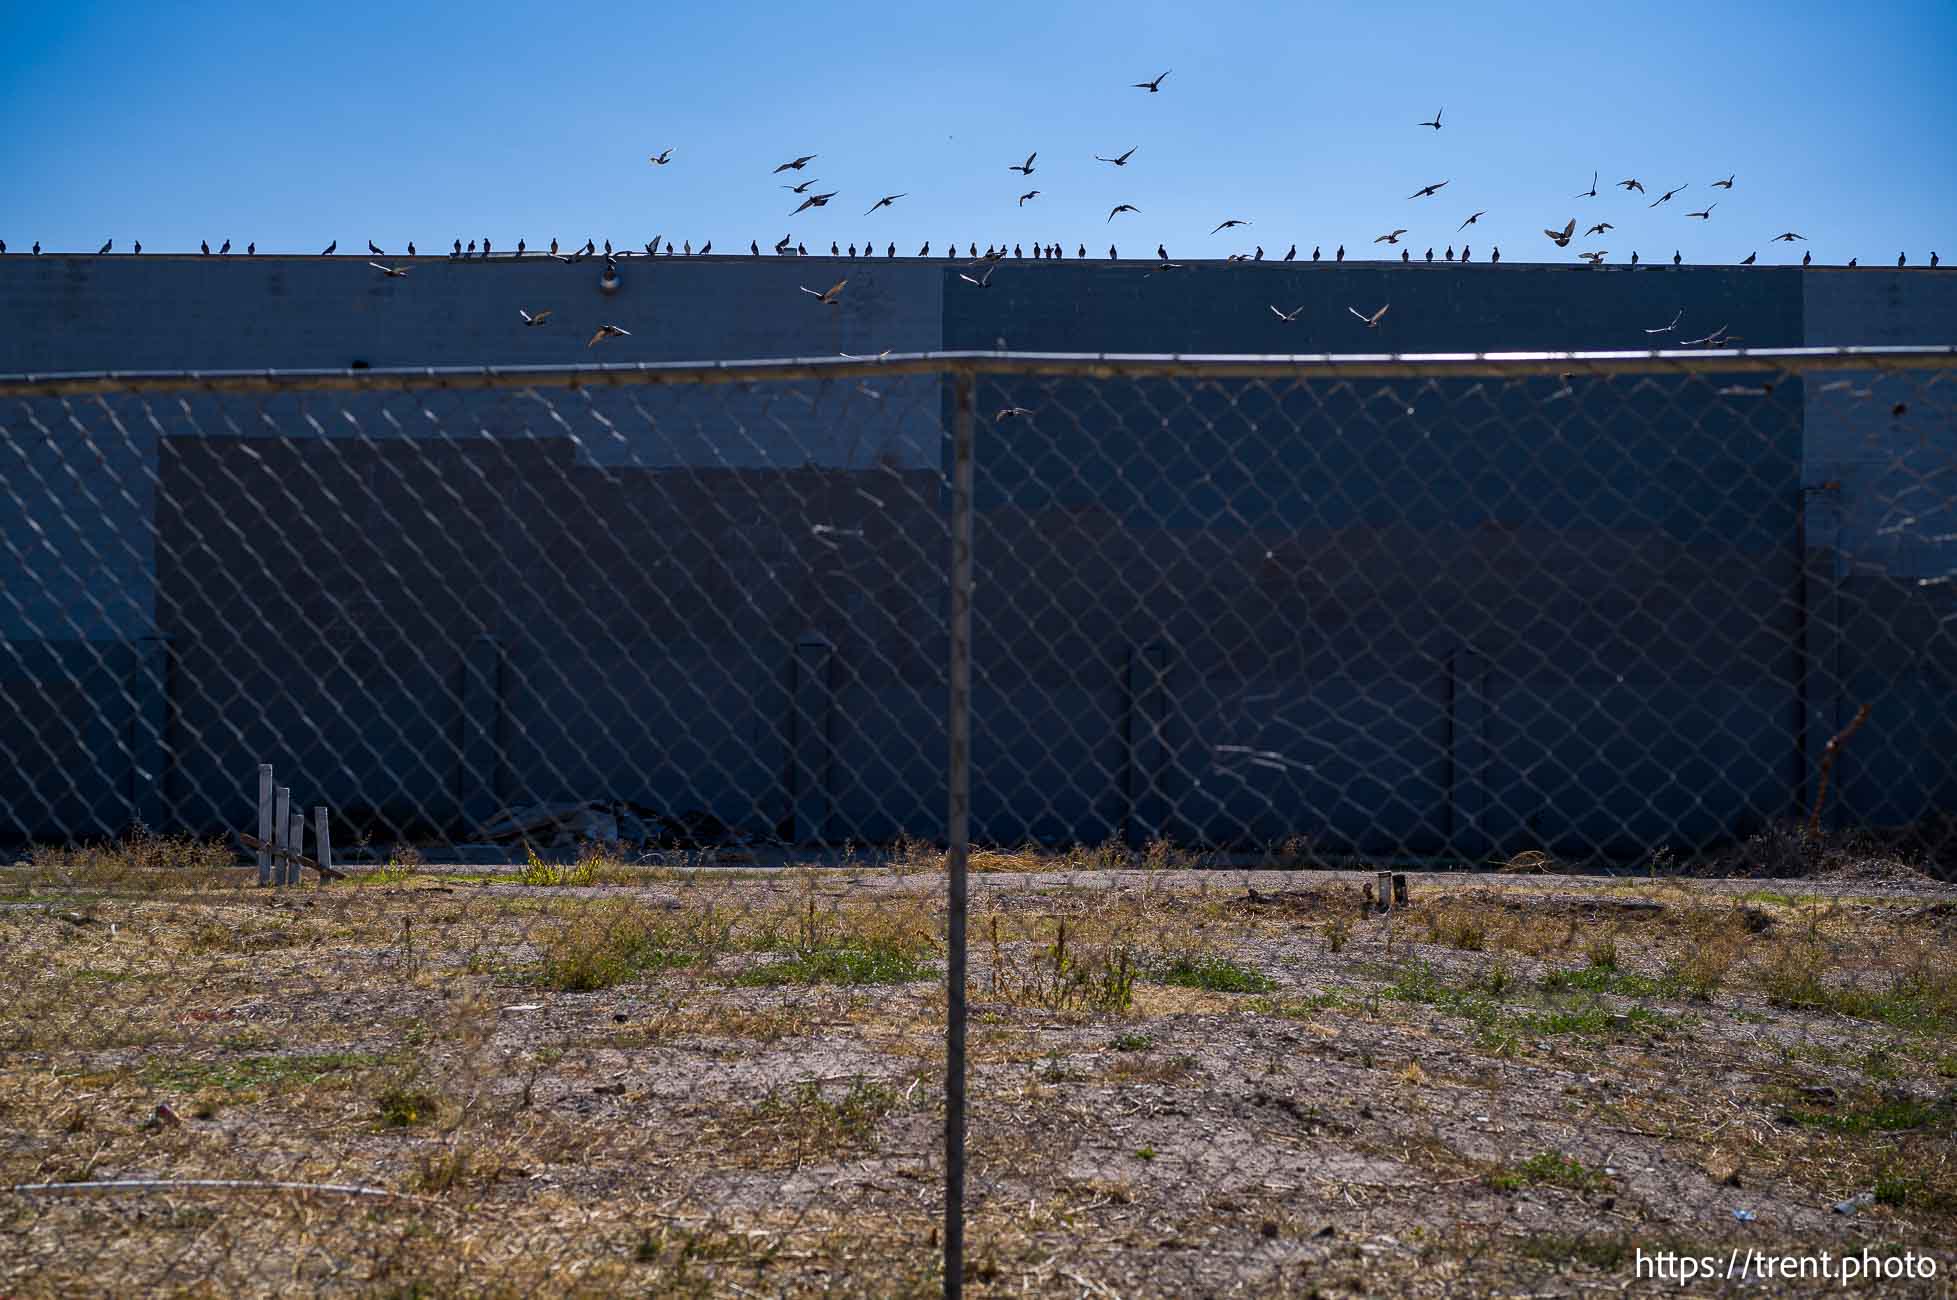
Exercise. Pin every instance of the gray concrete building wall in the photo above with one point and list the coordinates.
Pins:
(1466, 619)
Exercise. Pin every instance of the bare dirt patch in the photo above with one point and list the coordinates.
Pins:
(1182, 1082)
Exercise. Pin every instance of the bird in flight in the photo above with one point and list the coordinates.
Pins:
(885, 202)
(1393, 238)
(1372, 321)
(1290, 318)
(1669, 328)
(1595, 259)
(1425, 191)
(1119, 209)
(984, 282)
(608, 332)
(832, 297)
(1598, 229)
(1152, 86)
(1632, 184)
(1726, 184)
(1563, 236)
(1713, 337)
(389, 270)
(1706, 215)
(1787, 237)
(537, 319)
(815, 201)
(661, 158)
(1666, 197)
(1122, 161)
(1590, 193)
(803, 188)
(1025, 168)
(1030, 194)
(1436, 123)
(1226, 225)
(1471, 220)
(796, 165)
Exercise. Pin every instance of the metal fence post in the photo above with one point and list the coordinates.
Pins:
(150, 730)
(812, 727)
(1148, 667)
(958, 728)
(1468, 751)
(1818, 640)
(479, 782)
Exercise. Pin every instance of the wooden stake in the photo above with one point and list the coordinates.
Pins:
(264, 822)
(281, 832)
(323, 844)
(294, 847)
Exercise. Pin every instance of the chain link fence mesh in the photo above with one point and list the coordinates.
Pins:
(731, 776)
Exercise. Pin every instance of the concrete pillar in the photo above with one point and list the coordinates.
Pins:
(1146, 742)
(479, 774)
(811, 738)
(1468, 751)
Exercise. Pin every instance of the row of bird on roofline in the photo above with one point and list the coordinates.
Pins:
(1561, 238)
(995, 253)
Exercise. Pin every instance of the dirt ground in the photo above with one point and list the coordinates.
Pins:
(616, 1079)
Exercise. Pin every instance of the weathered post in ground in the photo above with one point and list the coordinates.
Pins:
(264, 824)
(323, 842)
(281, 832)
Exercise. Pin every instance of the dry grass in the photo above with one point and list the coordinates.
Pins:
(603, 1082)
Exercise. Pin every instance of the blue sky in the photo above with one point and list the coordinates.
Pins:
(297, 124)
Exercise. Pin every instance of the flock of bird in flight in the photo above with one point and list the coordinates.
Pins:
(995, 253)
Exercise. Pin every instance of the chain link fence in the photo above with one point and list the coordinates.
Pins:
(604, 829)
